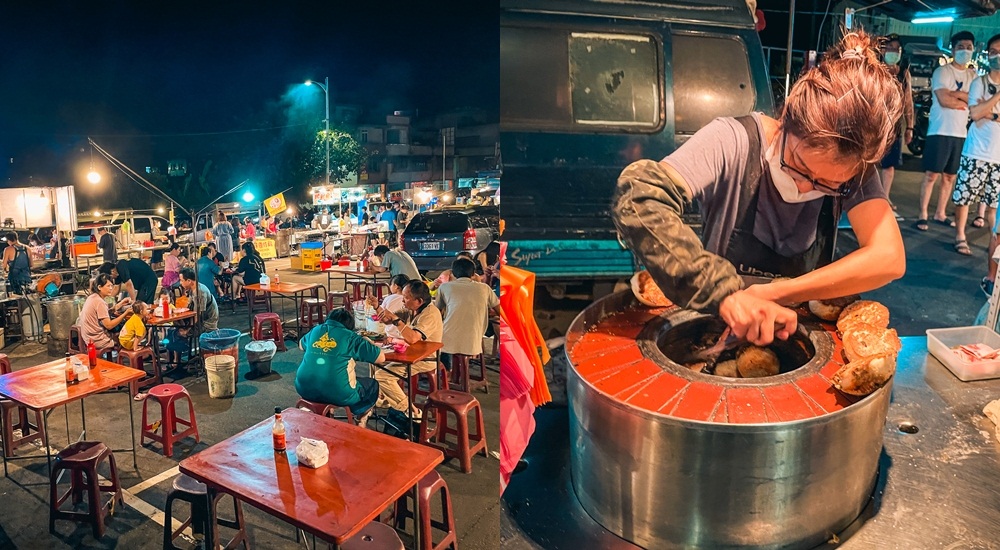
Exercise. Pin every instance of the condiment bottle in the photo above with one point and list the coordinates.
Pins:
(70, 373)
(92, 354)
(166, 306)
(278, 431)
(277, 280)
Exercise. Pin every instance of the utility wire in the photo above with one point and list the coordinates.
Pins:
(184, 134)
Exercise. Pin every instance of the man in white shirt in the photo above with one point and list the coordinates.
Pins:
(979, 170)
(947, 128)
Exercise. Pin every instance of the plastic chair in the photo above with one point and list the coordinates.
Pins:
(426, 488)
(7, 408)
(167, 395)
(267, 326)
(204, 514)
(82, 458)
(459, 404)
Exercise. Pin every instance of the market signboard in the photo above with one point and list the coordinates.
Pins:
(327, 195)
(265, 247)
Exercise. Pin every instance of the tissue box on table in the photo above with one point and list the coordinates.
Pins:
(312, 453)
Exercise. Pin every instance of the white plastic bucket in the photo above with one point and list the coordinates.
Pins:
(221, 371)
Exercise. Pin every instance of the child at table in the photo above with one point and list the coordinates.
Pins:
(132, 335)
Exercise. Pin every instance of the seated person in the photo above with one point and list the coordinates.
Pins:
(249, 270)
(420, 320)
(326, 374)
(134, 332)
(446, 276)
(200, 300)
(224, 280)
(395, 262)
(466, 304)
(208, 270)
(136, 278)
(96, 320)
(394, 301)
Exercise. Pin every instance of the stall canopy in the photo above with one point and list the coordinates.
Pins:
(906, 10)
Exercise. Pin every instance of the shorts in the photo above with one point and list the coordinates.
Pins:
(978, 181)
(942, 154)
(894, 156)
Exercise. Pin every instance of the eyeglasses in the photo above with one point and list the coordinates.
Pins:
(841, 190)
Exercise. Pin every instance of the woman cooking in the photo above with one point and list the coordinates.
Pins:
(771, 194)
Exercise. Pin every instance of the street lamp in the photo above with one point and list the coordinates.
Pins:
(326, 92)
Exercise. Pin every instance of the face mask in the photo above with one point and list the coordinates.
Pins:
(891, 58)
(783, 182)
(963, 57)
(995, 62)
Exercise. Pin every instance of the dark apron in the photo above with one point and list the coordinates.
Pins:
(754, 258)
(19, 277)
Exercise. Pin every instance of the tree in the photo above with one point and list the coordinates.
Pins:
(346, 155)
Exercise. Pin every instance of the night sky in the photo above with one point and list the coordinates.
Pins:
(144, 79)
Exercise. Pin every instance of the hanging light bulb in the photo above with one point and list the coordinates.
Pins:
(93, 176)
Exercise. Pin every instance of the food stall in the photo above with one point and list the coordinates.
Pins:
(660, 454)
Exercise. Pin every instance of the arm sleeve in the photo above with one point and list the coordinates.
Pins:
(365, 350)
(647, 210)
(976, 92)
(938, 80)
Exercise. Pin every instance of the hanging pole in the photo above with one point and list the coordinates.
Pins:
(788, 58)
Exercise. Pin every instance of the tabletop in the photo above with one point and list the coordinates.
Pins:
(44, 386)
(352, 270)
(367, 471)
(414, 352)
(283, 288)
(174, 316)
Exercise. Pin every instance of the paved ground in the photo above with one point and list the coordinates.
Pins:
(139, 524)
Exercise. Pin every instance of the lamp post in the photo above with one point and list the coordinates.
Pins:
(326, 92)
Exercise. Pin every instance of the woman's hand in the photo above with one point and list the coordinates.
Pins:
(757, 320)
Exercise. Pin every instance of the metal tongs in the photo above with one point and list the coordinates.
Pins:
(710, 356)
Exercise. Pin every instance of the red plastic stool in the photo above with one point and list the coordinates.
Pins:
(137, 360)
(374, 536)
(376, 289)
(7, 408)
(431, 377)
(459, 404)
(267, 326)
(76, 343)
(426, 487)
(325, 409)
(461, 376)
(312, 313)
(357, 289)
(167, 395)
(83, 458)
(334, 295)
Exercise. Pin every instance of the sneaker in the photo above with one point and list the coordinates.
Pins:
(987, 286)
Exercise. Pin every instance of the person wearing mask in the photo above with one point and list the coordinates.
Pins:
(202, 300)
(17, 264)
(979, 169)
(136, 278)
(947, 128)
(396, 262)
(327, 371)
(249, 270)
(419, 321)
(771, 193)
(900, 68)
(106, 242)
(96, 319)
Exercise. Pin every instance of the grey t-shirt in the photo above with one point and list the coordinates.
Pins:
(713, 163)
(466, 304)
(398, 261)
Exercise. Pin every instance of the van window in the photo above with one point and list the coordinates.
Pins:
(438, 222)
(711, 78)
(578, 80)
(140, 225)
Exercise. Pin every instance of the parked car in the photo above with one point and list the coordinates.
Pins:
(434, 238)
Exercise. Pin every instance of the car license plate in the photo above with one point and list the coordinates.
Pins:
(430, 246)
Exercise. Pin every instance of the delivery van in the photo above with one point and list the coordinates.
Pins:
(586, 88)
